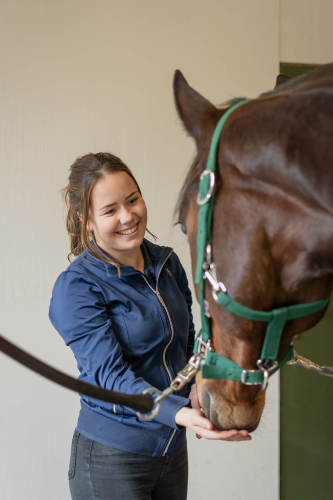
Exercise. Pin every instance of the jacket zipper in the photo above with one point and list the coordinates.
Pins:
(156, 292)
(167, 446)
(171, 339)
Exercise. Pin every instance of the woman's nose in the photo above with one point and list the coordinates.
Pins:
(126, 216)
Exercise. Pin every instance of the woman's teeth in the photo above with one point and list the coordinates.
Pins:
(129, 231)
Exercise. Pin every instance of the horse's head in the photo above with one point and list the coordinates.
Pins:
(272, 235)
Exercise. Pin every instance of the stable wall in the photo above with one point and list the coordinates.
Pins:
(306, 31)
(80, 76)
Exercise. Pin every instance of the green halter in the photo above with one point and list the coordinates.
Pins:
(216, 366)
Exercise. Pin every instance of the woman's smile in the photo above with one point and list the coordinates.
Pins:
(130, 231)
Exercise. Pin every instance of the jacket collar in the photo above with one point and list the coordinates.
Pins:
(157, 253)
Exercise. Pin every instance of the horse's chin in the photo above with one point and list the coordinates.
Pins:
(226, 414)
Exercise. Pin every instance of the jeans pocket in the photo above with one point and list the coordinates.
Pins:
(72, 462)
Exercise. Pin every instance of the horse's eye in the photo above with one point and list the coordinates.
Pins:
(183, 227)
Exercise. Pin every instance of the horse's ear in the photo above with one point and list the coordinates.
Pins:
(281, 79)
(194, 110)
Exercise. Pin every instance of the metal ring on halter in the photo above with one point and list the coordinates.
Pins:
(211, 186)
(208, 254)
(156, 409)
(265, 372)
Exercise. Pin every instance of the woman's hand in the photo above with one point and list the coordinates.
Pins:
(195, 420)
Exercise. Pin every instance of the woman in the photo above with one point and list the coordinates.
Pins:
(124, 307)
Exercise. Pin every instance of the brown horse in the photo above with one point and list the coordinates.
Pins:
(272, 233)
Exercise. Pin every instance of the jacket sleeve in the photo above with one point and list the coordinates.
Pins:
(78, 312)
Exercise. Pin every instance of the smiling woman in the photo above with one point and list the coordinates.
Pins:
(130, 328)
(88, 197)
(118, 227)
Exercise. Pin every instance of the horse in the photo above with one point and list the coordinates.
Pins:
(272, 222)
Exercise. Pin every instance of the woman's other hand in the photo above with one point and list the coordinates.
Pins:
(195, 420)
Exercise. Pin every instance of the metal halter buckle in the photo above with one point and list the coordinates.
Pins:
(211, 187)
(244, 377)
(203, 348)
(209, 273)
(265, 372)
(216, 285)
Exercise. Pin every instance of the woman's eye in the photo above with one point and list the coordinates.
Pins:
(183, 227)
(133, 200)
(110, 212)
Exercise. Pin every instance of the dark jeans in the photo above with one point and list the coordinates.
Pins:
(97, 472)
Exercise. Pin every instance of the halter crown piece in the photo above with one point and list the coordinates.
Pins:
(214, 365)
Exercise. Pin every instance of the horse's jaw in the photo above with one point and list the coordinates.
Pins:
(224, 410)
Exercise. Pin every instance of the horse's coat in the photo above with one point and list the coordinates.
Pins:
(272, 225)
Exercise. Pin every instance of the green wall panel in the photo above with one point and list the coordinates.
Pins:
(307, 419)
(294, 70)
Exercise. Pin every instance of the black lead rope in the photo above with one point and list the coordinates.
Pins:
(143, 403)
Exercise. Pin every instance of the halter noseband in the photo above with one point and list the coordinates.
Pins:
(214, 365)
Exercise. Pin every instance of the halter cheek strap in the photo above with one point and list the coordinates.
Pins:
(214, 365)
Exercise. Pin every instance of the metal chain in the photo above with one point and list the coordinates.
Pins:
(298, 360)
(182, 378)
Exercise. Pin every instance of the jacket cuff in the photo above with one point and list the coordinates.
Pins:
(169, 407)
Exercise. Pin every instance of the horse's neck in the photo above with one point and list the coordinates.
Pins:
(321, 78)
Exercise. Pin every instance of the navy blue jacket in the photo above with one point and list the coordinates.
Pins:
(125, 340)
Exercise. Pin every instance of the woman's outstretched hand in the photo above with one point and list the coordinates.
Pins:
(195, 420)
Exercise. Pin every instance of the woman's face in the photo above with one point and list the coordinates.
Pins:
(117, 214)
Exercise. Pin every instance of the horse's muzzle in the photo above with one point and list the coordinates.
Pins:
(226, 415)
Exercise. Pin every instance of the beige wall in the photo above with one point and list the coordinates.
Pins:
(306, 34)
(95, 75)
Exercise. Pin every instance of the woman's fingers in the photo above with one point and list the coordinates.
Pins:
(232, 435)
(202, 421)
